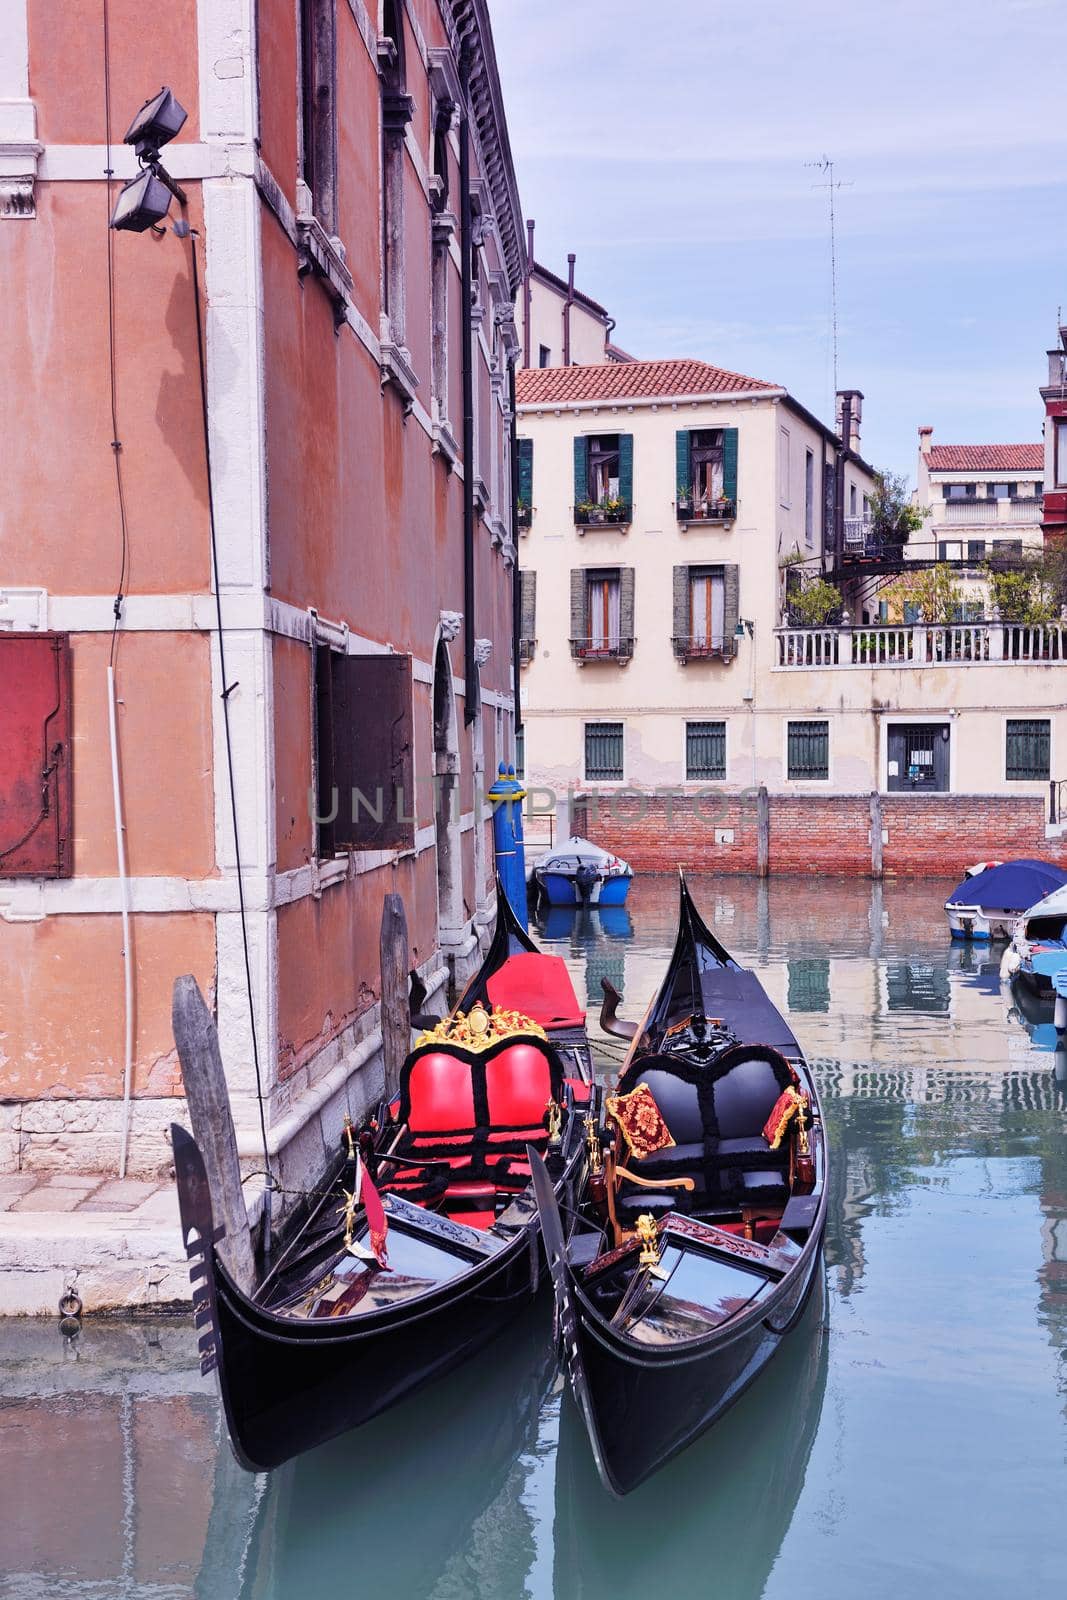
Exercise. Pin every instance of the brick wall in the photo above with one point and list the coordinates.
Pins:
(936, 834)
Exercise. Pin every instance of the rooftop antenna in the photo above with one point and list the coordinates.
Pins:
(826, 166)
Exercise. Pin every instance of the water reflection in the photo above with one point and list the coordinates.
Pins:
(943, 1365)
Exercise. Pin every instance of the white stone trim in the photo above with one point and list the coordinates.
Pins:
(20, 149)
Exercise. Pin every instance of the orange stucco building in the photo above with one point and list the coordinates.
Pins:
(356, 473)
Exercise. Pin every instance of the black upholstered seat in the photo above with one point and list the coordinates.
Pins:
(715, 1113)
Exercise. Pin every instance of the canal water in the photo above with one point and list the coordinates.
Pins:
(909, 1441)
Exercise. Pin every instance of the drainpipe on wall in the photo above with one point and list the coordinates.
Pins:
(526, 293)
(466, 247)
(567, 310)
(516, 577)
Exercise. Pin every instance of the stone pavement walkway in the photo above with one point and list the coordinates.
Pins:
(115, 1242)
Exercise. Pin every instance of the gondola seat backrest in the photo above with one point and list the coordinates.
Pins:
(461, 1093)
(437, 1093)
(721, 1103)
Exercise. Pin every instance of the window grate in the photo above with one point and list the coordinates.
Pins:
(808, 754)
(603, 752)
(705, 750)
(1028, 755)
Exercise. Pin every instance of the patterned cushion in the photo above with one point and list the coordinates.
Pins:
(786, 1107)
(641, 1121)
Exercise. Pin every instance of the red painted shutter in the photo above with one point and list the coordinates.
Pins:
(35, 767)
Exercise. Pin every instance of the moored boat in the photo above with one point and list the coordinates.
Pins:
(417, 1249)
(700, 1237)
(578, 872)
(992, 897)
(1038, 949)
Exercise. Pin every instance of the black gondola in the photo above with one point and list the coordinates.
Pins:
(695, 1253)
(328, 1339)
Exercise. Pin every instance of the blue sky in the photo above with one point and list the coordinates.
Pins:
(666, 146)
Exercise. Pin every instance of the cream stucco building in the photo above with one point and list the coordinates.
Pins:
(666, 502)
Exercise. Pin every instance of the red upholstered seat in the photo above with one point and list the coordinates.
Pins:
(440, 1093)
(471, 1190)
(538, 986)
(518, 1086)
(476, 1219)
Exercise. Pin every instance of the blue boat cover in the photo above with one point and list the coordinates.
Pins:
(1013, 886)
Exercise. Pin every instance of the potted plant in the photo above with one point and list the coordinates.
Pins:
(726, 505)
(587, 511)
(525, 512)
(684, 502)
(615, 510)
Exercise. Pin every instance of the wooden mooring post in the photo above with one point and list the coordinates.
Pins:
(877, 870)
(208, 1099)
(763, 831)
(396, 1012)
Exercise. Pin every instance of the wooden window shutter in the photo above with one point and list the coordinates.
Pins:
(527, 613)
(581, 470)
(372, 752)
(680, 592)
(35, 756)
(579, 619)
(683, 469)
(626, 468)
(729, 463)
(626, 610)
(526, 471)
(731, 585)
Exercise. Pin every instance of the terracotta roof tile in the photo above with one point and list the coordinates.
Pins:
(987, 457)
(631, 380)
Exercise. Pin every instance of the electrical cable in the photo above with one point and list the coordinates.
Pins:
(227, 690)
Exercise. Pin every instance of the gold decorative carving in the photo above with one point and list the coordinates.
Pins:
(480, 1029)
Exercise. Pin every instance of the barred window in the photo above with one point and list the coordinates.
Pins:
(1028, 755)
(705, 750)
(520, 752)
(808, 753)
(603, 752)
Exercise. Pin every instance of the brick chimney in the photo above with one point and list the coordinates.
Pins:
(925, 437)
(849, 417)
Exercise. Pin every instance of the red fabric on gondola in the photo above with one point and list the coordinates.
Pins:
(476, 1189)
(440, 1093)
(538, 986)
(474, 1219)
(580, 1090)
(518, 1086)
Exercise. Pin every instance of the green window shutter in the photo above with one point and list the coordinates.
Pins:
(626, 610)
(681, 609)
(579, 621)
(808, 750)
(581, 471)
(729, 463)
(526, 471)
(731, 594)
(527, 613)
(626, 468)
(683, 471)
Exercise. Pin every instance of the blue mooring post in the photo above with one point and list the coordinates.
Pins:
(506, 797)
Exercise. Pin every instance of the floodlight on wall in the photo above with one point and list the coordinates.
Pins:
(145, 200)
(156, 124)
(142, 203)
(743, 627)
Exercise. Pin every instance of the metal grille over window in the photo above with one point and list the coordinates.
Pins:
(603, 752)
(1028, 749)
(705, 750)
(809, 750)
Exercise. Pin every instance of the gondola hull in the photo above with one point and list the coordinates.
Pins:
(646, 1410)
(284, 1392)
(288, 1385)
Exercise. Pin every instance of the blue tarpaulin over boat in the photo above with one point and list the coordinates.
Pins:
(1013, 886)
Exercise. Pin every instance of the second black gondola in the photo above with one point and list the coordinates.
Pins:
(701, 1236)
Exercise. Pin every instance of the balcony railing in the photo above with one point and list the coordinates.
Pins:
(590, 516)
(587, 650)
(705, 510)
(859, 538)
(694, 648)
(921, 645)
(1012, 513)
(526, 651)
